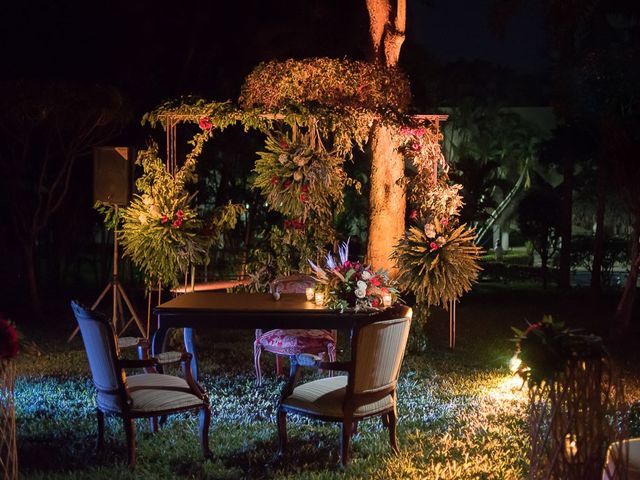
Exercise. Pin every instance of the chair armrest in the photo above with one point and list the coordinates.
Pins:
(137, 363)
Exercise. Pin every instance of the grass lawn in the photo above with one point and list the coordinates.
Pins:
(462, 415)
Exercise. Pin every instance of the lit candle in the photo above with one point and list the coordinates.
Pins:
(319, 296)
(570, 446)
(310, 292)
(386, 299)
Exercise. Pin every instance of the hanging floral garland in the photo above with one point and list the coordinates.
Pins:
(161, 230)
(437, 259)
(299, 178)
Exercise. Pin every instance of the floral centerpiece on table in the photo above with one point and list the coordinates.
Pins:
(351, 285)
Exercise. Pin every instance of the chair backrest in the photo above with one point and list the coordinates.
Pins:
(377, 353)
(297, 283)
(102, 352)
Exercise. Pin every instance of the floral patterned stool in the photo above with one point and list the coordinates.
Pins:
(290, 343)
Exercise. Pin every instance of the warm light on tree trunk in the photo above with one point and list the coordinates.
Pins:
(387, 200)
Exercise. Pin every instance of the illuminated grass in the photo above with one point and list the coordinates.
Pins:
(461, 415)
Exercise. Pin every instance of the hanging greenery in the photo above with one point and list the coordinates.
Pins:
(437, 259)
(161, 231)
(330, 82)
(299, 178)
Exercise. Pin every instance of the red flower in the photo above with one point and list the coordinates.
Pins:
(283, 143)
(286, 183)
(303, 197)
(305, 188)
(274, 180)
(433, 246)
(8, 340)
(297, 224)
(416, 147)
(205, 123)
(165, 219)
(177, 223)
(532, 328)
(444, 221)
(375, 281)
(413, 215)
(287, 223)
(180, 214)
(375, 302)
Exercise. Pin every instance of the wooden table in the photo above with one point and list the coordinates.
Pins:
(245, 311)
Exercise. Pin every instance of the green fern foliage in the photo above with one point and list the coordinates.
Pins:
(438, 275)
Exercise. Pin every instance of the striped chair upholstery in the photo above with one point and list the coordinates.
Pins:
(146, 395)
(625, 454)
(290, 342)
(368, 389)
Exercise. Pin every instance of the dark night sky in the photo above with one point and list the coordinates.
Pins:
(154, 50)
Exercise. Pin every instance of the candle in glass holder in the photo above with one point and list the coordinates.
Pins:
(386, 299)
(310, 292)
(319, 297)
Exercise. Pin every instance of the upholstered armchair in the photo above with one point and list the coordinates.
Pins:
(367, 390)
(147, 395)
(291, 342)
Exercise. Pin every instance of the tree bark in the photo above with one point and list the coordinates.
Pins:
(387, 200)
(624, 310)
(598, 247)
(567, 220)
(32, 277)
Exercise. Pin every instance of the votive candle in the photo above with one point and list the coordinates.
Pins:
(386, 299)
(310, 293)
(319, 297)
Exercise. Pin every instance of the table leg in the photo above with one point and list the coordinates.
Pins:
(190, 346)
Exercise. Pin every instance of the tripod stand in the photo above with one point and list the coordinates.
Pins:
(118, 295)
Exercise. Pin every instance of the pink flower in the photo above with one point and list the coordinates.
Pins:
(416, 147)
(531, 328)
(180, 214)
(177, 223)
(274, 180)
(413, 215)
(375, 281)
(444, 221)
(205, 123)
(433, 246)
(405, 131)
(165, 219)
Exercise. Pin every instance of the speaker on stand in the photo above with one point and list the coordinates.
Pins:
(113, 184)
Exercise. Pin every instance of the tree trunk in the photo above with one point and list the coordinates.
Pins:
(387, 200)
(567, 221)
(622, 318)
(32, 278)
(598, 248)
